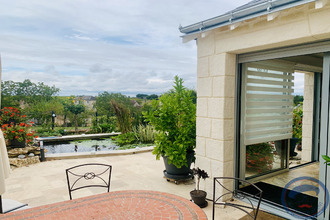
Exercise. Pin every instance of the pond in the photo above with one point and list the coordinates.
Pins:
(80, 146)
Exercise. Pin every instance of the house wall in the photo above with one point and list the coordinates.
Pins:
(307, 123)
(216, 73)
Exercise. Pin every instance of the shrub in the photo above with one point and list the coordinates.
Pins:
(174, 117)
(144, 134)
(125, 139)
(10, 114)
(18, 131)
(47, 132)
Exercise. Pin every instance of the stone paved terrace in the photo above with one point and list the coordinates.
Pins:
(45, 183)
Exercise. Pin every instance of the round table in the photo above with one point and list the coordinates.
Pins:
(133, 204)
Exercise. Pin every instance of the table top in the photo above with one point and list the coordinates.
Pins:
(132, 204)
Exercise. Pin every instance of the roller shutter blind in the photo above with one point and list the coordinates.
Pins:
(267, 101)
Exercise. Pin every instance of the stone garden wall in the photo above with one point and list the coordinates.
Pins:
(19, 157)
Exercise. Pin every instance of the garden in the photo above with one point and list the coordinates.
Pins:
(33, 110)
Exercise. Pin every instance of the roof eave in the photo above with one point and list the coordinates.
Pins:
(232, 17)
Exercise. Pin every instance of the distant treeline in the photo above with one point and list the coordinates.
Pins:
(145, 96)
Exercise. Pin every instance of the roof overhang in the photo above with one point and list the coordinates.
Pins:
(239, 15)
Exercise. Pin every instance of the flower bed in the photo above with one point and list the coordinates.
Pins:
(14, 126)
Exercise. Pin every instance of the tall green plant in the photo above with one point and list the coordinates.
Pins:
(144, 134)
(174, 117)
(123, 116)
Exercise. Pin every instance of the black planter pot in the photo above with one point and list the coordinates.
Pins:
(199, 198)
(293, 143)
(17, 144)
(184, 172)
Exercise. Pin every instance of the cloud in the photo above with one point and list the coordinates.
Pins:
(87, 47)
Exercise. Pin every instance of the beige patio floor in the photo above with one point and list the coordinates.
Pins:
(45, 183)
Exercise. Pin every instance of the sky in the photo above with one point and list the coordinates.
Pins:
(86, 47)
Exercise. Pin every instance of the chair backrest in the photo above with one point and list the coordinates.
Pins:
(88, 175)
(229, 190)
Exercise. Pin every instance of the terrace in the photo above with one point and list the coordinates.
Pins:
(45, 183)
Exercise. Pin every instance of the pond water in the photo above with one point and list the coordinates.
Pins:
(80, 146)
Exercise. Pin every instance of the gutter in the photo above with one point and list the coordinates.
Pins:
(239, 15)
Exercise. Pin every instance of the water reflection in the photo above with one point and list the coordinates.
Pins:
(80, 146)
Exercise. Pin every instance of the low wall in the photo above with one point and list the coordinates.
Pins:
(76, 137)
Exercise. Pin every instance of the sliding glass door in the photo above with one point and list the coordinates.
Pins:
(266, 117)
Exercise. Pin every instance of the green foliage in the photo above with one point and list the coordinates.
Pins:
(104, 124)
(327, 159)
(132, 146)
(116, 104)
(298, 99)
(103, 103)
(151, 97)
(46, 131)
(145, 96)
(76, 109)
(260, 157)
(42, 111)
(29, 92)
(125, 139)
(14, 125)
(297, 122)
(141, 96)
(174, 117)
(10, 114)
(123, 116)
(144, 134)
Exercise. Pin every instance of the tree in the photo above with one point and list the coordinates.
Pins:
(104, 107)
(27, 91)
(75, 109)
(141, 96)
(42, 110)
(103, 103)
(151, 97)
(298, 99)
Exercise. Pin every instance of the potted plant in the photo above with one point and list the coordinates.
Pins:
(17, 134)
(14, 127)
(197, 195)
(174, 118)
(10, 115)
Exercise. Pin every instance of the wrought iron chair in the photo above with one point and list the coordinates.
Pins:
(88, 175)
(229, 194)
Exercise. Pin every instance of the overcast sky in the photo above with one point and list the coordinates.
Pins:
(85, 47)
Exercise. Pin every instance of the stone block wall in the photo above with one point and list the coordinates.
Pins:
(215, 111)
(19, 157)
(216, 68)
(307, 123)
